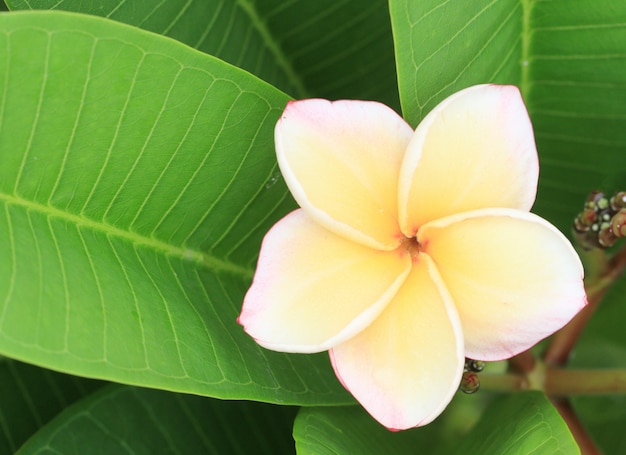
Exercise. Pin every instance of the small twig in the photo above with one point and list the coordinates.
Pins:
(503, 382)
(564, 340)
(524, 362)
(563, 382)
(558, 382)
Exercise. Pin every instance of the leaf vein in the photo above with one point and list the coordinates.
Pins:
(114, 138)
(143, 148)
(476, 56)
(33, 128)
(114, 10)
(100, 294)
(180, 14)
(62, 271)
(135, 300)
(168, 312)
(209, 26)
(75, 125)
(274, 48)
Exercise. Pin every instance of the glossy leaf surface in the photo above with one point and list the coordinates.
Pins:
(525, 422)
(121, 419)
(326, 48)
(521, 423)
(349, 429)
(137, 179)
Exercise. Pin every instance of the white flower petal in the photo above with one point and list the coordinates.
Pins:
(406, 366)
(514, 278)
(313, 289)
(474, 150)
(341, 162)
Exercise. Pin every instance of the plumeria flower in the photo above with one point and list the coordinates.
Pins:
(411, 249)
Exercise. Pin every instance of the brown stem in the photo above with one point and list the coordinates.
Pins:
(564, 340)
(584, 441)
(524, 362)
(503, 382)
(559, 382)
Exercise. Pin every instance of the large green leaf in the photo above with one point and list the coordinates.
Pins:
(325, 48)
(443, 46)
(137, 178)
(577, 101)
(122, 419)
(567, 58)
(30, 397)
(523, 423)
(350, 430)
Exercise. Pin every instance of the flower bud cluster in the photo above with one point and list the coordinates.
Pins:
(602, 221)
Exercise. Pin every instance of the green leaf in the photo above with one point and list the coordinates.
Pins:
(30, 397)
(575, 94)
(522, 423)
(350, 430)
(565, 56)
(137, 178)
(323, 48)
(444, 46)
(122, 419)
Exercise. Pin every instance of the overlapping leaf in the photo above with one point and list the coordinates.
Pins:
(326, 48)
(576, 101)
(339, 430)
(521, 423)
(122, 419)
(444, 46)
(525, 423)
(30, 397)
(137, 178)
(568, 60)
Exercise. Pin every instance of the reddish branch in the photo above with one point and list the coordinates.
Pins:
(563, 341)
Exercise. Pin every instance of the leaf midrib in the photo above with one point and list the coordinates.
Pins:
(205, 260)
